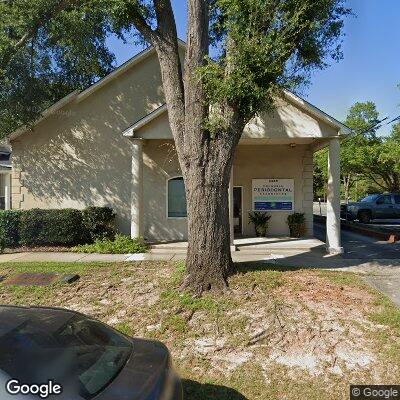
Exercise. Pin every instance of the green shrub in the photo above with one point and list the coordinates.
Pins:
(296, 218)
(99, 222)
(9, 227)
(68, 227)
(2, 241)
(51, 227)
(120, 245)
(260, 220)
(297, 224)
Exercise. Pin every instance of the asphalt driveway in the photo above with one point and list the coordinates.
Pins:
(384, 278)
(360, 246)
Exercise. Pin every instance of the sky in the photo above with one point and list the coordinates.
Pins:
(369, 70)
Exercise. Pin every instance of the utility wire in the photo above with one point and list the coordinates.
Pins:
(394, 120)
(376, 125)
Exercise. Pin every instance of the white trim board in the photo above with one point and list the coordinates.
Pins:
(130, 132)
(342, 129)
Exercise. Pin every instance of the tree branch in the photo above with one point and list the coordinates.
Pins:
(197, 49)
(142, 26)
(165, 41)
(41, 20)
(375, 181)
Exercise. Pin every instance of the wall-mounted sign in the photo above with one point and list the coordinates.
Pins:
(273, 194)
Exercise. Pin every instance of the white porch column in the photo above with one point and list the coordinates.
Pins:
(333, 241)
(7, 192)
(231, 224)
(137, 189)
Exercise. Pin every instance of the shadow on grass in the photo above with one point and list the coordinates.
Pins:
(193, 390)
(262, 265)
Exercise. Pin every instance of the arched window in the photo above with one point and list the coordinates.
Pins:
(176, 198)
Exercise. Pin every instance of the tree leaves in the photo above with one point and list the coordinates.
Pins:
(374, 160)
(63, 47)
(266, 45)
(263, 46)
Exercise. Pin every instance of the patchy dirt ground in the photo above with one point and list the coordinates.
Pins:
(274, 335)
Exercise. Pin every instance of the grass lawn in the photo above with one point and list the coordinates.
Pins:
(277, 334)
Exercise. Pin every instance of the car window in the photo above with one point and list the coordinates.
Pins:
(370, 199)
(397, 198)
(84, 356)
(384, 200)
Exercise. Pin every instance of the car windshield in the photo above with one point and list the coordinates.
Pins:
(82, 355)
(370, 199)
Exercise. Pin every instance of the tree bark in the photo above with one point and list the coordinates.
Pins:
(346, 182)
(208, 259)
(205, 161)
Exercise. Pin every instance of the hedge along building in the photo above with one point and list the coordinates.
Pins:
(111, 145)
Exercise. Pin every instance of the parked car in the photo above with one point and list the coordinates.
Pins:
(84, 357)
(375, 206)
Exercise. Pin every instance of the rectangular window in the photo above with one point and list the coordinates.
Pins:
(3, 179)
(176, 198)
(397, 198)
(384, 200)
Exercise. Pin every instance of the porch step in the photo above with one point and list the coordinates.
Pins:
(252, 246)
(246, 250)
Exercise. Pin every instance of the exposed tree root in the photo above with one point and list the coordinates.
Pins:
(198, 286)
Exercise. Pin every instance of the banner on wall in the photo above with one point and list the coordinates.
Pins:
(273, 194)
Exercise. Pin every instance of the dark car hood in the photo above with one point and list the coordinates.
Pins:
(143, 373)
(143, 376)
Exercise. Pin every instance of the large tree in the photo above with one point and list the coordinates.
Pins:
(367, 155)
(48, 48)
(362, 119)
(259, 48)
(380, 161)
(262, 46)
(366, 159)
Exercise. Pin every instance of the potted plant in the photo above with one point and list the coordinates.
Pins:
(260, 220)
(297, 224)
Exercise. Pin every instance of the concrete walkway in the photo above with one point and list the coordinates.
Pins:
(80, 257)
(382, 274)
(250, 249)
(293, 258)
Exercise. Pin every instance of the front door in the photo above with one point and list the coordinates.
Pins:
(237, 210)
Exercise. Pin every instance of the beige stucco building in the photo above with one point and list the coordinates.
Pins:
(111, 145)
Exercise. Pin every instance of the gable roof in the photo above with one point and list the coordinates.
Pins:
(130, 132)
(298, 101)
(79, 95)
(318, 113)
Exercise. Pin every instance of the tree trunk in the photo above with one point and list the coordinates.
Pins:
(396, 185)
(205, 161)
(346, 182)
(209, 258)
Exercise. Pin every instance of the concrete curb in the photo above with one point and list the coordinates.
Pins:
(359, 228)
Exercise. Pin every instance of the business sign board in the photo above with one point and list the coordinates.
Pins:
(273, 194)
